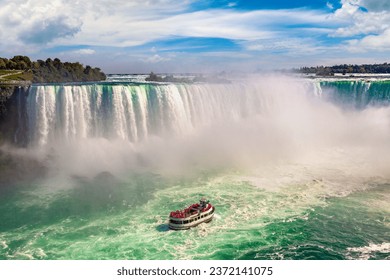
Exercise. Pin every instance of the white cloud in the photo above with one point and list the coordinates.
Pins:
(47, 31)
(131, 23)
(42, 22)
(156, 59)
(27, 26)
(375, 5)
(228, 55)
(289, 46)
(379, 42)
(365, 23)
(36, 22)
(85, 51)
(329, 5)
(347, 13)
(373, 24)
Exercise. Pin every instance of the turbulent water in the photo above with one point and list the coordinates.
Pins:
(296, 170)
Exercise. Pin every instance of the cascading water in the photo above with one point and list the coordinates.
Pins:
(296, 170)
(134, 112)
(357, 94)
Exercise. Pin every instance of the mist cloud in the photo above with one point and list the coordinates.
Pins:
(294, 126)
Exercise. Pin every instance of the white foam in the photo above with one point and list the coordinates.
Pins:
(4, 244)
(366, 252)
(23, 255)
(41, 253)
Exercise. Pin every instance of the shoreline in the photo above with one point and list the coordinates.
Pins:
(355, 76)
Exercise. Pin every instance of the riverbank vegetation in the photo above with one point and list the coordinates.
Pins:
(21, 68)
(345, 69)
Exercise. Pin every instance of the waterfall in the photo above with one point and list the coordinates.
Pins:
(134, 112)
(85, 129)
(357, 93)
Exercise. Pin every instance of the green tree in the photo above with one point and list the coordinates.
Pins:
(3, 64)
(21, 65)
(22, 61)
(11, 64)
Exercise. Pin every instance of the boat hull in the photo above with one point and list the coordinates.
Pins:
(192, 221)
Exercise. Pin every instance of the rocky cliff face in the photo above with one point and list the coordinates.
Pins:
(12, 115)
(15, 164)
(5, 94)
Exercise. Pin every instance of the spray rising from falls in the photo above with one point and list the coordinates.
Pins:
(134, 112)
(110, 126)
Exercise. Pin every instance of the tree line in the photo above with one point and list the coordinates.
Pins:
(53, 70)
(346, 69)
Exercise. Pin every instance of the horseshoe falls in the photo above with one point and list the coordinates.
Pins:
(132, 112)
(297, 169)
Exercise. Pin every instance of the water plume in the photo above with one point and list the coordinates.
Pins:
(184, 128)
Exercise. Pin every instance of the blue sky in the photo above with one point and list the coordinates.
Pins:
(138, 36)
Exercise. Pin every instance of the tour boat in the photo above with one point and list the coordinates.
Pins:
(192, 216)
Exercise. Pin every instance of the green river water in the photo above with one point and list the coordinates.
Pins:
(333, 202)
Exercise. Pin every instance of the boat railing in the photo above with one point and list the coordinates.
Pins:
(191, 219)
(190, 211)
